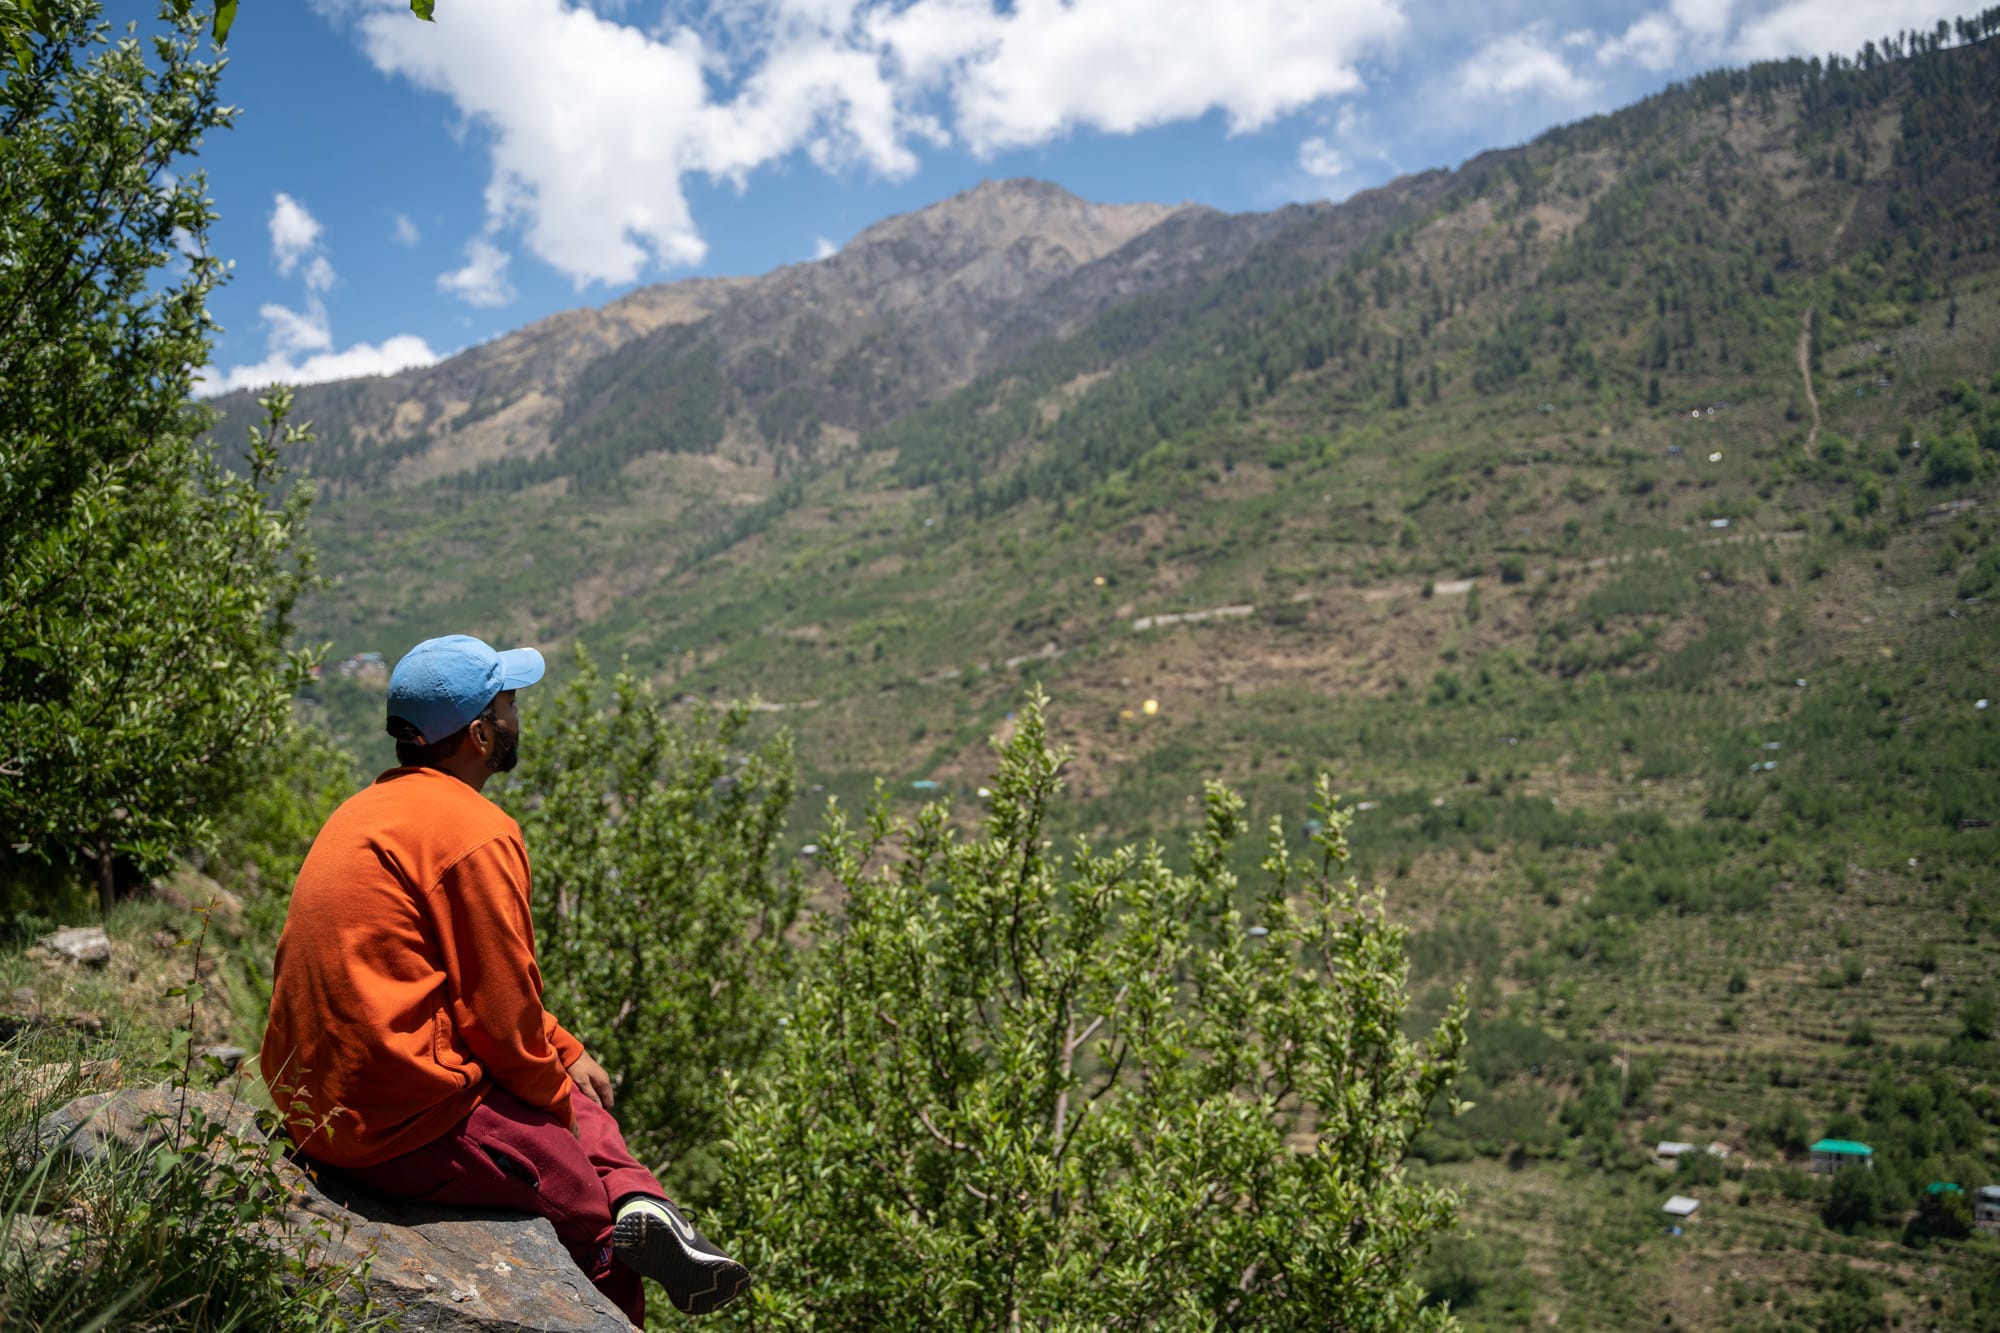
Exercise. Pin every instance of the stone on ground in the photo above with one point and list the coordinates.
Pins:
(79, 944)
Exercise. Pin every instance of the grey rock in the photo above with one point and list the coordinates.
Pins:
(438, 1270)
(79, 944)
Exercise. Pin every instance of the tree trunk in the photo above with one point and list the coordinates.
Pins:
(107, 884)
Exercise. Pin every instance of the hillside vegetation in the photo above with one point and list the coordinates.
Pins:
(1614, 517)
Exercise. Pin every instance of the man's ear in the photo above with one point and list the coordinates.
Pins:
(480, 732)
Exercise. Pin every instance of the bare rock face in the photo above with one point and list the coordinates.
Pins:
(439, 1270)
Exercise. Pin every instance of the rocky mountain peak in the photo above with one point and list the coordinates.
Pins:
(995, 216)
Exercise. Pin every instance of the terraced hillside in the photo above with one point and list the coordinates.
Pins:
(1614, 517)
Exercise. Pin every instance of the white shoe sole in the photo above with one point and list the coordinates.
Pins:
(697, 1278)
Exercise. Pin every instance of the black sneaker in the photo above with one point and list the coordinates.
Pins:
(654, 1240)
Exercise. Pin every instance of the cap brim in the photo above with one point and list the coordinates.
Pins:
(519, 668)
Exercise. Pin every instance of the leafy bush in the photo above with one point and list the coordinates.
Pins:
(1983, 579)
(1022, 1089)
(658, 911)
(263, 835)
(146, 587)
(1467, 1274)
(1953, 461)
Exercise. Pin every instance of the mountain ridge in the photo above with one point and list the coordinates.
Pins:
(999, 244)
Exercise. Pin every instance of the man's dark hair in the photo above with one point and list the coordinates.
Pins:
(411, 752)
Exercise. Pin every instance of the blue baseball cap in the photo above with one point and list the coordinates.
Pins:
(442, 684)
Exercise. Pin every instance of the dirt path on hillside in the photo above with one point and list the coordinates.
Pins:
(1805, 334)
(1805, 373)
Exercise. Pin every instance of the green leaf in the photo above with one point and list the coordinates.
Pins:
(225, 18)
(422, 9)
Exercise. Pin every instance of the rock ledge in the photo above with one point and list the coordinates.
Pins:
(440, 1270)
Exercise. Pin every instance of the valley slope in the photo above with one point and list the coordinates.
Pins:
(1613, 516)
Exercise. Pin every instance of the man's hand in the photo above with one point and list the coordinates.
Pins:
(592, 1081)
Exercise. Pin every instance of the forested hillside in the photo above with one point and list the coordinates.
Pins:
(1613, 516)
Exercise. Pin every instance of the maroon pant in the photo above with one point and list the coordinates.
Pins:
(508, 1154)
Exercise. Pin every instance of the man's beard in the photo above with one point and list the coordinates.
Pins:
(506, 752)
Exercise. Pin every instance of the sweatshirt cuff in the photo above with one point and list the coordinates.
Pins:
(567, 1048)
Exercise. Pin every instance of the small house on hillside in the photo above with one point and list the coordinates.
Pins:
(1986, 1209)
(1829, 1155)
(1669, 1152)
(1679, 1211)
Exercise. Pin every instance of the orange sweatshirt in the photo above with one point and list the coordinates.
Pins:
(405, 983)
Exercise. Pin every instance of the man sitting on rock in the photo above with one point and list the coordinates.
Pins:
(408, 1046)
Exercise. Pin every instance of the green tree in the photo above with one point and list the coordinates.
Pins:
(144, 587)
(1856, 1199)
(659, 917)
(1945, 1214)
(1977, 1016)
(1021, 1089)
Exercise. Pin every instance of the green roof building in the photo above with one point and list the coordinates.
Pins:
(1837, 1154)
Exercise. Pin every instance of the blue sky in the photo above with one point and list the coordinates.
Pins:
(396, 191)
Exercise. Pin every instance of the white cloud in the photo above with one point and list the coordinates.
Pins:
(483, 280)
(823, 248)
(291, 332)
(295, 237)
(1654, 42)
(1047, 67)
(401, 352)
(1320, 159)
(294, 233)
(1832, 27)
(1523, 63)
(1726, 31)
(593, 125)
(299, 349)
(405, 231)
(290, 335)
(319, 273)
(1707, 18)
